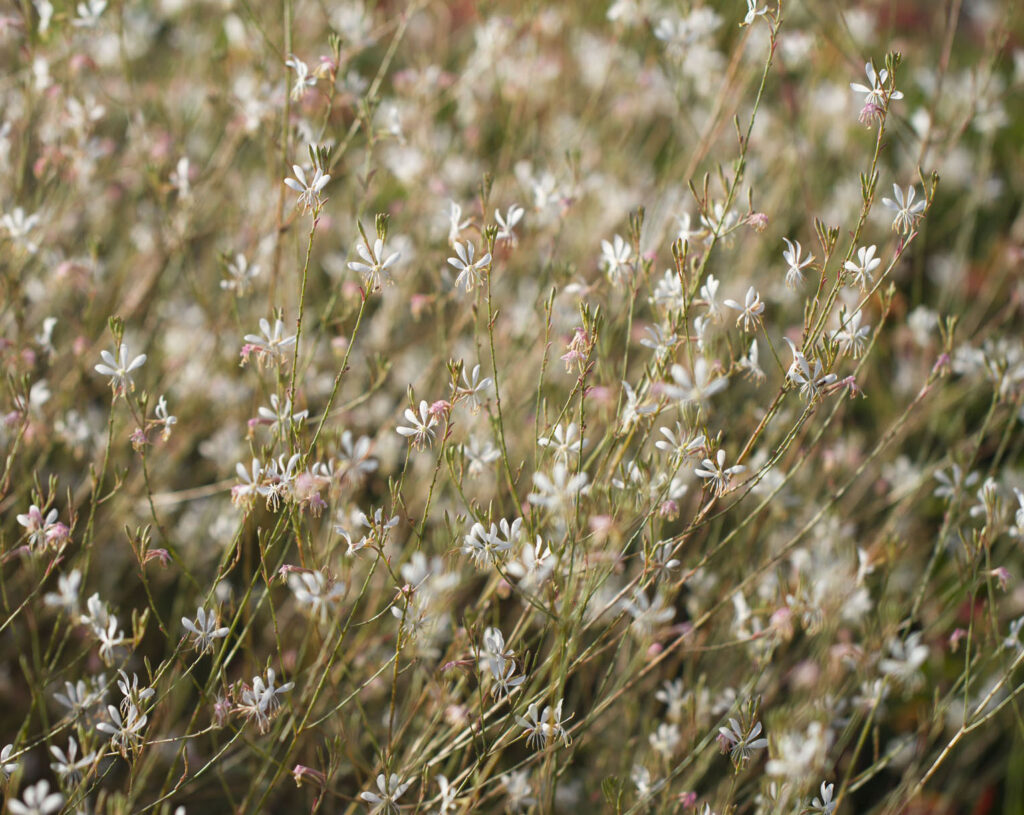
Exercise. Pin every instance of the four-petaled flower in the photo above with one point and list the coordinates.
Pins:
(376, 264)
(309, 191)
(421, 429)
(865, 265)
(795, 272)
(471, 271)
(717, 475)
(390, 789)
(908, 212)
(119, 368)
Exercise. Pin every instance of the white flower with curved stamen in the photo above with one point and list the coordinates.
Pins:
(37, 799)
(750, 310)
(119, 368)
(376, 264)
(204, 630)
(753, 12)
(709, 297)
(795, 264)
(615, 260)
(876, 93)
(742, 743)
(908, 211)
(697, 390)
(542, 729)
(389, 790)
(315, 593)
(309, 191)
(851, 336)
(421, 427)
(559, 491)
(470, 268)
(718, 476)
(271, 343)
(303, 79)
(473, 387)
(507, 224)
(861, 271)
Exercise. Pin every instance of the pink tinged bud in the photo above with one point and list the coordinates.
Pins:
(669, 509)
(1002, 576)
(302, 773)
(954, 639)
(687, 799)
(440, 408)
(870, 113)
(655, 649)
(57, 535)
(758, 220)
(317, 505)
(157, 554)
(138, 439)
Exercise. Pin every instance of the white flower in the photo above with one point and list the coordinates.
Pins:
(544, 728)
(241, 275)
(303, 79)
(709, 297)
(952, 484)
(488, 547)
(558, 491)
(753, 12)
(905, 660)
(272, 343)
(750, 364)
(615, 259)
(750, 311)
(471, 272)
(280, 417)
(825, 805)
(421, 427)
(741, 743)
(37, 799)
(390, 789)
(315, 591)
(800, 374)
(517, 787)
(908, 213)
(68, 765)
(851, 336)
(309, 191)
(718, 476)
(698, 390)
(473, 386)
(455, 222)
(7, 766)
(507, 231)
(125, 732)
(88, 13)
(376, 264)
(564, 441)
(119, 368)
(796, 265)
(645, 787)
(535, 565)
(877, 93)
(204, 630)
(37, 527)
(647, 615)
(259, 703)
(19, 225)
(863, 268)
(665, 739)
